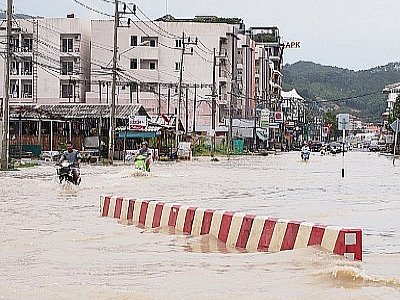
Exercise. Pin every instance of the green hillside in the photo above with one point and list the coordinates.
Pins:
(321, 83)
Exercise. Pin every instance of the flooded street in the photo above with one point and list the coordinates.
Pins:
(54, 245)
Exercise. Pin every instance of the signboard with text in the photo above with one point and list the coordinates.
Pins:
(343, 121)
(137, 122)
(278, 116)
(264, 118)
(291, 44)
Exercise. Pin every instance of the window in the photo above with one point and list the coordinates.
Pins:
(14, 67)
(27, 45)
(66, 90)
(15, 44)
(178, 43)
(177, 66)
(67, 68)
(133, 40)
(67, 45)
(14, 88)
(27, 90)
(152, 66)
(134, 64)
(133, 86)
(27, 68)
(152, 43)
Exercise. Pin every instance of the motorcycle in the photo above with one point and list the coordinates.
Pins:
(305, 154)
(140, 164)
(64, 172)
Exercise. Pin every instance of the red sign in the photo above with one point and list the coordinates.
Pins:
(278, 116)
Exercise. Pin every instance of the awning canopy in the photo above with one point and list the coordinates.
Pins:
(146, 133)
(74, 111)
(291, 95)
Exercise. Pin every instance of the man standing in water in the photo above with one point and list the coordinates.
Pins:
(74, 157)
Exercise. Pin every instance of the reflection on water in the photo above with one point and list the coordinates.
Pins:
(54, 244)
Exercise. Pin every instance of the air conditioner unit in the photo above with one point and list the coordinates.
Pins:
(77, 38)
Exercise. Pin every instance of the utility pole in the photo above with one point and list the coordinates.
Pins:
(255, 124)
(159, 99)
(168, 100)
(6, 96)
(214, 105)
(194, 108)
(187, 111)
(111, 143)
(233, 90)
(178, 113)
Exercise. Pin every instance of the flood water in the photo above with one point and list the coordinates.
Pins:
(54, 245)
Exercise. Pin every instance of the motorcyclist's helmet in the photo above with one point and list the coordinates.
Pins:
(145, 143)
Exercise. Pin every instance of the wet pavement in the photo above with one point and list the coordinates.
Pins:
(53, 244)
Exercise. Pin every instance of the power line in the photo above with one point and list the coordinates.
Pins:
(92, 9)
(352, 97)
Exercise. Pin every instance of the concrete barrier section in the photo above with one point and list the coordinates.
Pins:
(244, 231)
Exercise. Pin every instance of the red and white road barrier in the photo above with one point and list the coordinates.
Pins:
(245, 231)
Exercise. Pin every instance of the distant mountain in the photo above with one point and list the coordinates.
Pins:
(3, 16)
(317, 82)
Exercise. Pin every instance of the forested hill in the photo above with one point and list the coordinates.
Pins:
(316, 82)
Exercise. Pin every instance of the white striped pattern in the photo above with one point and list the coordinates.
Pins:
(255, 233)
(234, 229)
(197, 221)
(216, 223)
(150, 214)
(180, 220)
(303, 235)
(124, 210)
(330, 237)
(276, 237)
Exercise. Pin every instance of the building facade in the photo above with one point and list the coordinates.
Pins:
(149, 64)
(392, 91)
(50, 60)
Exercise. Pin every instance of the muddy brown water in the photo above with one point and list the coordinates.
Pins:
(54, 245)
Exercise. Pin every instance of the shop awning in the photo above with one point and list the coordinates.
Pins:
(146, 133)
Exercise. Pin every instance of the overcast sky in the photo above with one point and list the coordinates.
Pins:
(353, 34)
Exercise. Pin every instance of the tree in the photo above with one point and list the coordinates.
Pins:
(330, 120)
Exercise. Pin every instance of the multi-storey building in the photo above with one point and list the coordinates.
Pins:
(50, 60)
(149, 63)
(68, 60)
(392, 91)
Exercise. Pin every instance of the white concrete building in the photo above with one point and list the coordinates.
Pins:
(50, 60)
(392, 91)
(149, 63)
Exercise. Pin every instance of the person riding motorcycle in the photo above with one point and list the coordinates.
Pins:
(74, 157)
(305, 152)
(145, 151)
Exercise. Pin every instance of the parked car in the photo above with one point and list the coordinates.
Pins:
(315, 146)
(373, 148)
(335, 147)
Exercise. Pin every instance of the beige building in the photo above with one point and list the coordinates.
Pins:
(50, 60)
(149, 62)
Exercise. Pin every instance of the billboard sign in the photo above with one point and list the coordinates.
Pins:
(137, 122)
(343, 121)
(264, 118)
